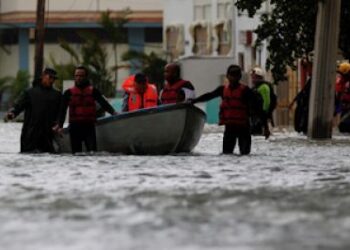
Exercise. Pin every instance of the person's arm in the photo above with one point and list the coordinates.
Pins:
(59, 105)
(188, 91)
(103, 102)
(188, 94)
(19, 105)
(218, 92)
(264, 91)
(125, 105)
(253, 104)
(63, 109)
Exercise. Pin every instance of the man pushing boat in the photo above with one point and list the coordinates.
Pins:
(176, 89)
(81, 100)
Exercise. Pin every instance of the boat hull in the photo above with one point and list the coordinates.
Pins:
(154, 131)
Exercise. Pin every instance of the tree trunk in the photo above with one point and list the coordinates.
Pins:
(323, 75)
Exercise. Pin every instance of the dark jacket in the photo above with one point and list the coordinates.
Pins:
(41, 107)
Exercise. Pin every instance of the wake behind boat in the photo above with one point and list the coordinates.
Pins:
(161, 130)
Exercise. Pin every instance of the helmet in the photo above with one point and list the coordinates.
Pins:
(344, 68)
(258, 71)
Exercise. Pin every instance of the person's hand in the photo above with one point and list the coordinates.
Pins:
(290, 106)
(9, 116)
(191, 101)
(57, 129)
(267, 133)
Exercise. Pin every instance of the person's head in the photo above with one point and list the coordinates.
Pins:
(344, 69)
(172, 72)
(140, 83)
(257, 74)
(48, 77)
(81, 75)
(234, 74)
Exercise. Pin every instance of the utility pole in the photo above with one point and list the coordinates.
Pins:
(39, 38)
(323, 75)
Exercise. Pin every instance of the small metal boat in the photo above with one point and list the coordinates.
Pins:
(160, 130)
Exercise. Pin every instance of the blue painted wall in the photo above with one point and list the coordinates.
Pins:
(212, 110)
(136, 40)
(23, 42)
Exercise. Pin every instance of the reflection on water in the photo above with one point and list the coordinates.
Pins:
(289, 194)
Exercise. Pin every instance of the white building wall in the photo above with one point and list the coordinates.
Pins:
(241, 22)
(179, 12)
(9, 62)
(82, 5)
(206, 74)
(245, 23)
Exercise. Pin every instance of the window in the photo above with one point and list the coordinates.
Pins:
(223, 10)
(223, 33)
(175, 41)
(153, 35)
(207, 12)
(201, 40)
(202, 11)
(198, 13)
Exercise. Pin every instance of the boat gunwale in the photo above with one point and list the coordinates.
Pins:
(153, 110)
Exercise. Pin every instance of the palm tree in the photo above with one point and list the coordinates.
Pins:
(14, 86)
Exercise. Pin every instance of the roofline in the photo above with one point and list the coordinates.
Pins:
(77, 25)
(79, 19)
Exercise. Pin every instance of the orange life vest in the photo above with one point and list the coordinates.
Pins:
(170, 92)
(136, 101)
(233, 110)
(82, 107)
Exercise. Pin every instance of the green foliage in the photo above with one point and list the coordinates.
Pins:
(4, 82)
(15, 85)
(152, 65)
(92, 55)
(290, 31)
(114, 27)
(19, 83)
(64, 71)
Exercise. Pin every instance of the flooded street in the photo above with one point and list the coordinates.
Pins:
(288, 194)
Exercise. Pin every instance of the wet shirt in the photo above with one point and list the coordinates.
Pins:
(96, 95)
(187, 92)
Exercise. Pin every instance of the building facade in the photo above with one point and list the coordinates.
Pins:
(212, 28)
(64, 20)
(206, 36)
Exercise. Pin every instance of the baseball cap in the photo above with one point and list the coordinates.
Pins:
(51, 72)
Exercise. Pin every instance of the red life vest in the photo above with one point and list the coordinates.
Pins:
(82, 107)
(345, 100)
(341, 84)
(170, 92)
(233, 110)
